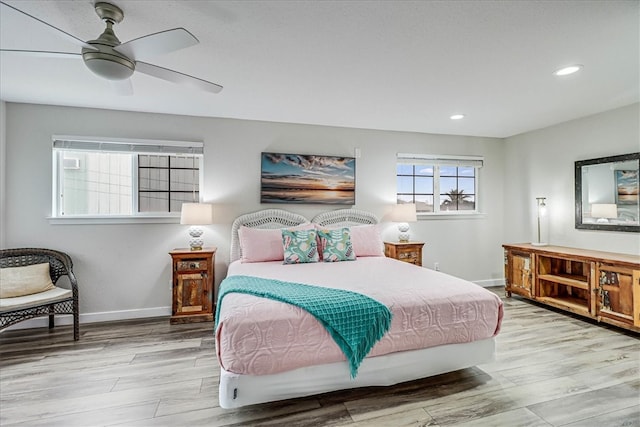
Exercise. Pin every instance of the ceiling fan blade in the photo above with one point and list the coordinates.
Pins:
(42, 53)
(122, 87)
(177, 77)
(157, 43)
(73, 39)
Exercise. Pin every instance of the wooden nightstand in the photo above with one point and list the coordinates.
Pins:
(410, 252)
(193, 294)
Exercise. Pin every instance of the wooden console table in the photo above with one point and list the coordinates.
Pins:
(601, 285)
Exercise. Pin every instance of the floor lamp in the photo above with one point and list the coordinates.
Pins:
(542, 212)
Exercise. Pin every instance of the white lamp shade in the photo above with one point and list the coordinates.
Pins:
(604, 210)
(405, 212)
(196, 214)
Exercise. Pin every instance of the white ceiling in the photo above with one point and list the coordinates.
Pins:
(394, 65)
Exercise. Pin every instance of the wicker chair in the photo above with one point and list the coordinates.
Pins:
(60, 264)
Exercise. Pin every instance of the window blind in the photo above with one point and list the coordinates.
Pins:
(440, 160)
(115, 145)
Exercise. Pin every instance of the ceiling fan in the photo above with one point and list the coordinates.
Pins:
(107, 57)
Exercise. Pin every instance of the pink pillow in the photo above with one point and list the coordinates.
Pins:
(260, 245)
(366, 240)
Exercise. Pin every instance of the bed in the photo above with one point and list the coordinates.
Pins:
(269, 350)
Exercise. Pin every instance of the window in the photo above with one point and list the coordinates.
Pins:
(438, 184)
(100, 177)
(165, 182)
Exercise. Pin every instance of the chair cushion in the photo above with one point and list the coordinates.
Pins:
(27, 280)
(52, 295)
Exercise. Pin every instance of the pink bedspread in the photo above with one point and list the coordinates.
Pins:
(258, 336)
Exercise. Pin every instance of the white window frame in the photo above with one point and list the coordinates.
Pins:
(63, 143)
(436, 161)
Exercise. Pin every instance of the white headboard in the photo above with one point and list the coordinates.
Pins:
(345, 218)
(268, 218)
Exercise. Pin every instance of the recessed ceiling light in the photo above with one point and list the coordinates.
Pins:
(568, 70)
(457, 117)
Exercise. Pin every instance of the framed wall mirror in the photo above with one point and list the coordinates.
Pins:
(607, 193)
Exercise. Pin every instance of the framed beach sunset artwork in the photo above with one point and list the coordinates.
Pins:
(308, 178)
(626, 187)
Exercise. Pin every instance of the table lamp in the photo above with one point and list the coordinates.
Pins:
(195, 215)
(403, 214)
(602, 212)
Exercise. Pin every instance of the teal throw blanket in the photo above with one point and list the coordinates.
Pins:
(355, 321)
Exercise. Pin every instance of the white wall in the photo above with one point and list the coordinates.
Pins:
(124, 270)
(541, 164)
(3, 177)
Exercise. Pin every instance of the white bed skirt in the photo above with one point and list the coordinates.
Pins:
(240, 390)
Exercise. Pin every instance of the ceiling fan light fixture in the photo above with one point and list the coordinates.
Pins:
(112, 60)
(108, 66)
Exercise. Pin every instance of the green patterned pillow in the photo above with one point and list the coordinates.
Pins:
(300, 246)
(336, 245)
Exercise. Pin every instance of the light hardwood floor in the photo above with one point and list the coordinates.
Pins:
(552, 369)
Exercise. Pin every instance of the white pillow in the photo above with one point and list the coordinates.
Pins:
(20, 281)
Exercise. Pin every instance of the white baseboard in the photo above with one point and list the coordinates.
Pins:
(489, 282)
(106, 316)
